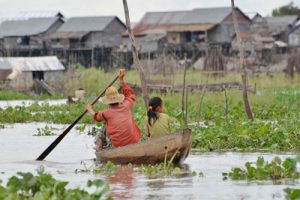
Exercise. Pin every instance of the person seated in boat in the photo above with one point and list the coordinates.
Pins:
(120, 126)
(158, 123)
(79, 96)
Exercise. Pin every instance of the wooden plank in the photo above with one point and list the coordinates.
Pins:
(178, 88)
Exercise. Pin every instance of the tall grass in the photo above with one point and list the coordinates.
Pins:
(9, 95)
(94, 80)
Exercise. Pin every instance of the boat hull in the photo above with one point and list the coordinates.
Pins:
(172, 147)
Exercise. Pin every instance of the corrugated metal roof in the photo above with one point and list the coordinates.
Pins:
(36, 14)
(160, 22)
(206, 15)
(282, 20)
(47, 63)
(172, 17)
(66, 35)
(86, 24)
(27, 27)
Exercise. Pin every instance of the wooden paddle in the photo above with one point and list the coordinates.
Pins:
(61, 136)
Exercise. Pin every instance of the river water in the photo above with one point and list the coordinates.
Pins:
(19, 149)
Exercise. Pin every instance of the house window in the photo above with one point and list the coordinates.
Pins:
(75, 43)
(38, 75)
(57, 41)
(23, 40)
(188, 36)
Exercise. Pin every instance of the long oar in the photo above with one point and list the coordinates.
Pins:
(61, 136)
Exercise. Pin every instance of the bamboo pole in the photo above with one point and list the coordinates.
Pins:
(136, 60)
(242, 65)
(183, 99)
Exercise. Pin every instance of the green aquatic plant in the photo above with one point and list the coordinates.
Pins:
(108, 168)
(11, 95)
(160, 170)
(80, 128)
(93, 131)
(167, 168)
(26, 186)
(292, 194)
(263, 170)
(46, 131)
(201, 174)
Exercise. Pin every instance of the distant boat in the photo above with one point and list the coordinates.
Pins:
(173, 147)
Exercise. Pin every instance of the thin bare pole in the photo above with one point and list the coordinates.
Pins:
(183, 105)
(242, 64)
(136, 55)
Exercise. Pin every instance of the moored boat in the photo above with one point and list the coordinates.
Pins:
(173, 147)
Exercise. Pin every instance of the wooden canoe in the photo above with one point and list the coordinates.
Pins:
(151, 151)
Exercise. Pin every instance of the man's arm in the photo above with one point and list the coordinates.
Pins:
(98, 116)
(127, 90)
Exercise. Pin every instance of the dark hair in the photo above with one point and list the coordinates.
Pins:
(152, 105)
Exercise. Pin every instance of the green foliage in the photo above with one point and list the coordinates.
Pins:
(263, 170)
(2, 126)
(108, 168)
(276, 125)
(292, 194)
(26, 186)
(201, 174)
(46, 131)
(288, 9)
(275, 107)
(11, 95)
(160, 170)
(93, 131)
(80, 128)
(167, 168)
(44, 113)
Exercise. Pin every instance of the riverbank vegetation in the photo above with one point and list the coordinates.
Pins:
(11, 95)
(217, 119)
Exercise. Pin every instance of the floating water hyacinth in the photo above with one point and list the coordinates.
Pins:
(44, 186)
(263, 170)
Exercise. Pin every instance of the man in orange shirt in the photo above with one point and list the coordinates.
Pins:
(120, 126)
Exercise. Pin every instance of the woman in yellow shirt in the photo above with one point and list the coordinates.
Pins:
(158, 123)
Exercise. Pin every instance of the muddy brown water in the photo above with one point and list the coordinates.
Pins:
(19, 149)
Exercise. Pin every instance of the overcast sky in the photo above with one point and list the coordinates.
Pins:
(137, 8)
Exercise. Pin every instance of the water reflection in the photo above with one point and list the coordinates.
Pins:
(122, 182)
(169, 188)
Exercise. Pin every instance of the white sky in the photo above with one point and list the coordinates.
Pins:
(137, 8)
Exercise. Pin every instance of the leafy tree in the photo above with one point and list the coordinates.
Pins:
(288, 9)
